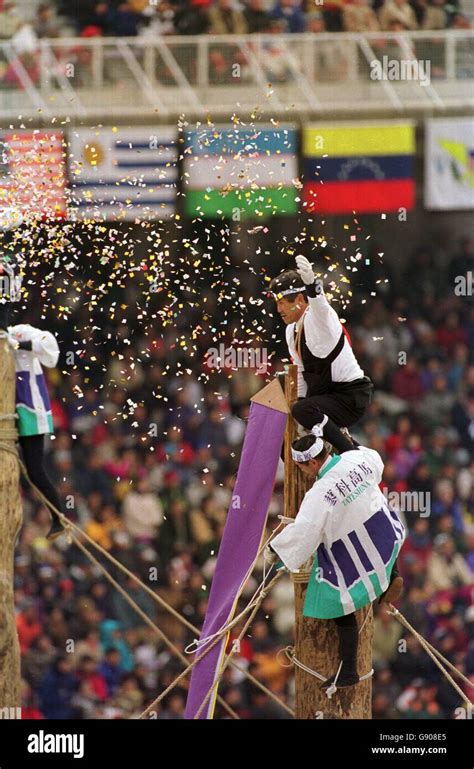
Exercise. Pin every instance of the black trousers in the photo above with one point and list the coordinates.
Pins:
(344, 409)
(348, 635)
(32, 447)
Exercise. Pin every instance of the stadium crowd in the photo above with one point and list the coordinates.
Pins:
(192, 17)
(145, 460)
(72, 28)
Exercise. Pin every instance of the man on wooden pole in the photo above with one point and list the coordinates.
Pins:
(344, 521)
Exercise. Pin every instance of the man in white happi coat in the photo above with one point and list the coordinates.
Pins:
(344, 521)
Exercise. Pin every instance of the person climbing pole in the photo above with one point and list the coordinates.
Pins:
(333, 391)
(344, 521)
(33, 348)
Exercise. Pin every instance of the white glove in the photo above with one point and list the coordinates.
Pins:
(13, 341)
(305, 270)
(269, 555)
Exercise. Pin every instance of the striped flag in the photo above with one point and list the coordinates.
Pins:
(32, 174)
(123, 174)
(366, 168)
(242, 536)
(237, 172)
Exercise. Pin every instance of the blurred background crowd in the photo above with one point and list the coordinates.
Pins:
(145, 461)
(78, 29)
(59, 18)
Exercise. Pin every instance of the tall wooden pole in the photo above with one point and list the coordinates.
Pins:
(316, 642)
(10, 522)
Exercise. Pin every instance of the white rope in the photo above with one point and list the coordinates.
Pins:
(333, 688)
(432, 652)
(290, 653)
(199, 643)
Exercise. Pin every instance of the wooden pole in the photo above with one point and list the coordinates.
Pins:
(316, 642)
(10, 522)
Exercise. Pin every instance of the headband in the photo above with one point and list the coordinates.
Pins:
(311, 453)
(297, 290)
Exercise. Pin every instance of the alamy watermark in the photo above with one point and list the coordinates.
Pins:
(221, 357)
(407, 501)
(43, 742)
(464, 284)
(401, 69)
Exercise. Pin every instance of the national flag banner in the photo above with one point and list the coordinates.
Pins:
(360, 167)
(123, 173)
(238, 172)
(449, 164)
(33, 174)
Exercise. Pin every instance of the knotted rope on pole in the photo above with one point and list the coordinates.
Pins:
(290, 653)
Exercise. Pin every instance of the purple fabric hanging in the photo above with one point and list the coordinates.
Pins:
(240, 542)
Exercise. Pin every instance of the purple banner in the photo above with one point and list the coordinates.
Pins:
(242, 537)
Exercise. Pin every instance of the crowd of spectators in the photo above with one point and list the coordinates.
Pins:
(145, 460)
(193, 17)
(333, 59)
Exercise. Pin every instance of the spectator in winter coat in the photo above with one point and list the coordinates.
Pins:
(290, 12)
(56, 690)
(360, 17)
(256, 17)
(399, 12)
(225, 19)
(447, 570)
(142, 512)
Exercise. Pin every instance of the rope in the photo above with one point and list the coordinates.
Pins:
(201, 642)
(70, 525)
(285, 520)
(300, 576)
(142, 614)
(290, 653)
(8, 434)
(434, 654)
(195, 662)
(241, 635)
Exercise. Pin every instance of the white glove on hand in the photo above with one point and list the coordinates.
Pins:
(305, 270)
(269, 555)
(13, 341)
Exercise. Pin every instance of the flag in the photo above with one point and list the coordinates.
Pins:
(123, 174)
(449, 164)
(366, 168)
(242, 535)
(32, 174)
(237, 172)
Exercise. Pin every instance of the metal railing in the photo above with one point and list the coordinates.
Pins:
(303, 74)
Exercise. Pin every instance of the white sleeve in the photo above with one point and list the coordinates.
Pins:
(44, 345)
(300, 540)
(374, 459)
(322, 326)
